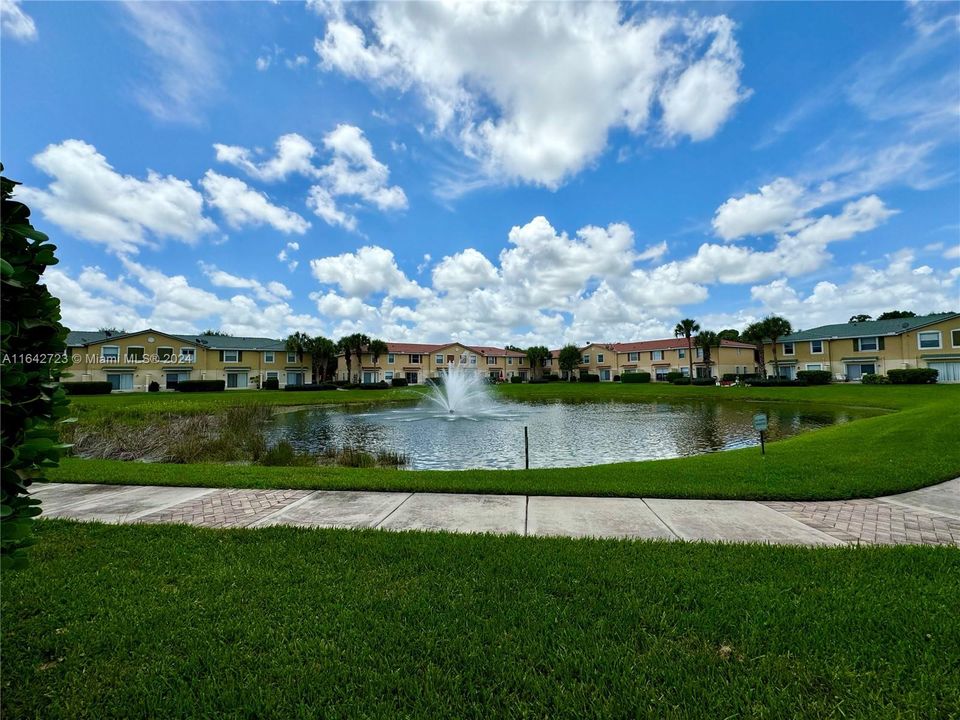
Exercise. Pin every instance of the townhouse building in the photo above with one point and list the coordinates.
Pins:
(417, 362)
(661, 357)
(851, 350)
(131, 361)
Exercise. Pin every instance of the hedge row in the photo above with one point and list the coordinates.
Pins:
(913, 376)
(310, 387)
(399, 382)
(87, 388)
(201, 386)
(635, 377)
(815, 377)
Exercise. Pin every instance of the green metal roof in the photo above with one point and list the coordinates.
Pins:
(871, 328)
(80, 338)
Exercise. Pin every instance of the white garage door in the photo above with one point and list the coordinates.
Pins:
(949, 372)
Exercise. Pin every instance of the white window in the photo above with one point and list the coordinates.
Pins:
(473, 359)
(929, 340)
(509, 361)
(599, 357)
(188, 354)
(439, 359)
(120, 381)
(415, 359)
(236, 380)
(522, 360)
(491, 360)
(110, 353)
(658, 354)
(633, 357)
(273, 374)
(685, 371)
(681, 353)
(586, 359)
(268, 357)
(389, 358)
(814, 366)
(699, 352)
(134, 353)
(291, 357)
(868, 344)
(816, 347)
(231, 356)
(789, 348)
(388, 375)
(294, 378)
(955, 338)
(165, 354)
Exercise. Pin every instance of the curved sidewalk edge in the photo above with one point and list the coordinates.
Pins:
(930, 516)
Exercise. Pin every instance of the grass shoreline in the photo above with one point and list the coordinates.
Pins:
(886, 454)
(172, 621)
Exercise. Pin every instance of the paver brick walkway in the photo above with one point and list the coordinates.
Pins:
(930, 516)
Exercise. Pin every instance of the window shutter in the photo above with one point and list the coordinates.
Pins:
(240, 356)
(880, 343)
(221, 356)
(856, 344)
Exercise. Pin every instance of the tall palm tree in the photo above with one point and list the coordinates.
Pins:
(299, 343)
(353, 346)
(707, 339)
(753, 333)
(345, 346)
(321, 351)
(376, 348)
(535, 356)
(686, 328)
(775, 327)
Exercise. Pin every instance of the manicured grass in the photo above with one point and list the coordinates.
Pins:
(904, 450)
(168, 621)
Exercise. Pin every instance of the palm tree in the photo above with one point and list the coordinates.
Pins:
(707, 339)
(686, 328)
(353, 346)
(535, 356)
(376, 348)
(774, 327)
(321, 351)
(753, 333)
(298, 342)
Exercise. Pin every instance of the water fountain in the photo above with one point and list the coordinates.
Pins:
(461, 393)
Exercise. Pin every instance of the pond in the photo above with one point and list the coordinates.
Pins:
(561, 434)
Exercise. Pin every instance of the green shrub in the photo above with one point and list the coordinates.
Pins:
(516, 379)
(201, 386)
(552, 377)
(382, 385)
(815, 377)
(154, 386)
(589, 378)
(681, 381)
(913, 376)
(309, 387)
(874, 379)
(399, 382)
(271, 383)
(773, 382)
(33, 353)
(703, 382)
(87, 388)
(635, 377)
(674, 375)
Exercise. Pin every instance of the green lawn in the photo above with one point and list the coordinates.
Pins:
(903, 450)
(162, 622)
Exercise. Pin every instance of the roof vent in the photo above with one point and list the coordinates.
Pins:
(905, 325)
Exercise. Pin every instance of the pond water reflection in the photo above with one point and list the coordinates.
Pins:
(561, 434)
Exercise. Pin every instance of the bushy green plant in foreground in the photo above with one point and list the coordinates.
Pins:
(33, 349)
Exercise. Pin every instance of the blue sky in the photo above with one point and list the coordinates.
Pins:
(491, 173)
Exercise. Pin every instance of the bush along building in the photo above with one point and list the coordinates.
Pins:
(134, 361)
(858, 350)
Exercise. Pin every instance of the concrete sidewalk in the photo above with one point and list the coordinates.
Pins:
(925, 517)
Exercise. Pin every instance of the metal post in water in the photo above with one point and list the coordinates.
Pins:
(526, 448)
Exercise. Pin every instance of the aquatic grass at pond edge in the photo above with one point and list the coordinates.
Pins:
(164, 621)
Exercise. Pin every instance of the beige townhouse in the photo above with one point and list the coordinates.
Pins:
(660, 357)
(417, 362)
(131, 361)
(851, 350)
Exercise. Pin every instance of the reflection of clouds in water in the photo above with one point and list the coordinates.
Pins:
(561, 434)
